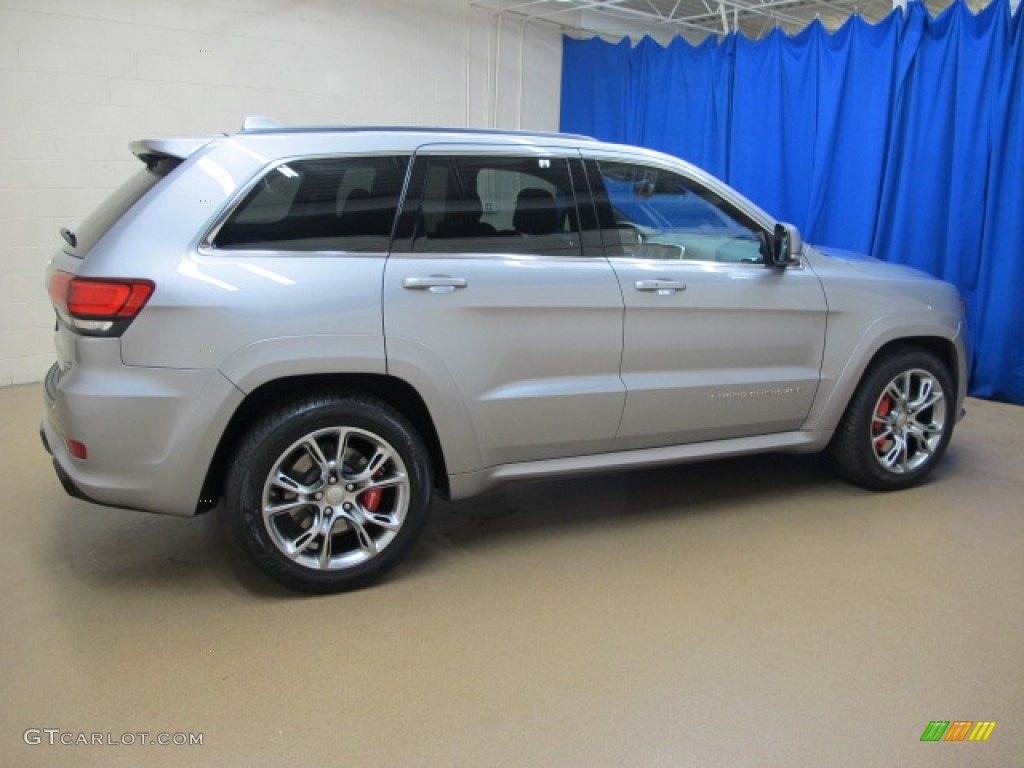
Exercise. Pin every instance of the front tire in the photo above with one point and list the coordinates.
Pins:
(327, 493)
(898, 423)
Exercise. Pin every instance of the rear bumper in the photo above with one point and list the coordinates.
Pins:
(151, 433)
(65, 479)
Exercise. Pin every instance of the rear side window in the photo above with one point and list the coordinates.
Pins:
(335, 204)
(497, 204)
(89, 232)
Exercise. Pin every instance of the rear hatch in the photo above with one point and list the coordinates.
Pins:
(160, 157)
(87, 306)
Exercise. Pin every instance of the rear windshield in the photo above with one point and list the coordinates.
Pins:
(97, 224)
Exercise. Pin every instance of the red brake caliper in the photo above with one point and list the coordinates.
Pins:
(371, 498)
(883, 410)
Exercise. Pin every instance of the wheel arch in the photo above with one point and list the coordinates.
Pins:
(397, 393)
(947, 349)
(940, 346)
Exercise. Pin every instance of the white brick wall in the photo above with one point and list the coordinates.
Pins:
(79, 79)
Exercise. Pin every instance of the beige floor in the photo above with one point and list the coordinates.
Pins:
(752, 612)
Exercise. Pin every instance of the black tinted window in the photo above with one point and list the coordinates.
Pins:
(338, 204)
(498, 205)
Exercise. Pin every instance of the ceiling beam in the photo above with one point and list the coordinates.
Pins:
(613, 8)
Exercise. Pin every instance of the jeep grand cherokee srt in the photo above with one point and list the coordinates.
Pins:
(325, 326)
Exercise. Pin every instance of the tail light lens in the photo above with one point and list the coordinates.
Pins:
(98, 306)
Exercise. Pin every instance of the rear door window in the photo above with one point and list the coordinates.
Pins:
(497, 204)
(328, 204)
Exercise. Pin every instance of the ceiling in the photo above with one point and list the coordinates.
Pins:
(696, 19)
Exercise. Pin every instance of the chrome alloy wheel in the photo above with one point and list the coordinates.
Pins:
(908, 421)
(335, 498)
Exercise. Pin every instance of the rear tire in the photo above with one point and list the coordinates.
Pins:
(327, 493)
(898, 423)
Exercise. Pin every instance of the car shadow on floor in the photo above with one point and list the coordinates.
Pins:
(543, 508)
(129, 550)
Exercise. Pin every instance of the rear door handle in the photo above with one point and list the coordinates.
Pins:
(661, 287)
(434, 283)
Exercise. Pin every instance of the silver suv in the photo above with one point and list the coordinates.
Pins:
(324, 326)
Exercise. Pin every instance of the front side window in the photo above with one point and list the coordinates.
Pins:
(497, 205)
(335, 204)
(663, 215)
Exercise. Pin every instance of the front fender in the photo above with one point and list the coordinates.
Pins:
(851, 362)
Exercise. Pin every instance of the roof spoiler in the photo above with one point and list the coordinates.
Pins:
(259, 123)
(152, 150)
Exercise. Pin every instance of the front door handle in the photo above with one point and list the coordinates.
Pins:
(661, 287)
(434, 283)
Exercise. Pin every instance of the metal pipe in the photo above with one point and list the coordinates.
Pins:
(469, 53)
(497, 70)
(522, 69)
(498, 17)
(495, 21)
(771, 5)
(759, 10)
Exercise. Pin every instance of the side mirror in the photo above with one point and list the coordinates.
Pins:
(783, 247)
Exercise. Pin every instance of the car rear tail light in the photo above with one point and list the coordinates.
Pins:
(98, 306)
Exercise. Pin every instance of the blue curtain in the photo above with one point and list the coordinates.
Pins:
(900, 139)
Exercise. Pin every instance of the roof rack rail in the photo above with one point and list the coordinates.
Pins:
(272, 126)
